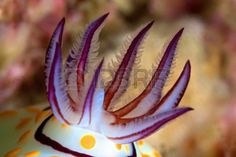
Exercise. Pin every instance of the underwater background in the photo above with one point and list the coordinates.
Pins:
(208, 41)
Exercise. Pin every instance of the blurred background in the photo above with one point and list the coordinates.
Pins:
(209, 41)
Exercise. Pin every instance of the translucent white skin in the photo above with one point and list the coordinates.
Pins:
(13, 127)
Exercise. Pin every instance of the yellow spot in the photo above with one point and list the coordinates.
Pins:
(24, 136)
(32, 109)
(118, 146)
(145, 155)
(23, 122)
(8, 113)
(140, 142)
(34, 153)
(156, 154)
(13, 152)
(54, 119)
(39, 116)
(63, 125)
(127, 148)
(87, 142)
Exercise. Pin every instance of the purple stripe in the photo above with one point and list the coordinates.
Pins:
(90, 94)
(87, 44)
(51, 94)
(59, 29)
(185, 74)
(128, 60)
(147, 131)
(163, 69)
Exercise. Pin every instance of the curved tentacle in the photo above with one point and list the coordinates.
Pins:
(119, 82)
(76, 62)
(175, 94)
(152, 93)
(130, 130)
(89, 103)
(62, 106)
(56, 38)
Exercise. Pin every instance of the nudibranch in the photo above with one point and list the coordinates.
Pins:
(81, 120)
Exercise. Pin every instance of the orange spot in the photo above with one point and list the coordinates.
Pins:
(87, 142)
(24, 136)
(39, 116)
(140, 142)
(156, 154)
(23, 122)
(32, 109)
(118, 146)
(13, 152)
(33, 153)
(8, 113)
